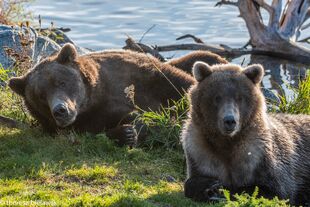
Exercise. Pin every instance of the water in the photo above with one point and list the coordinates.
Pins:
(104, 24)
(100, 24)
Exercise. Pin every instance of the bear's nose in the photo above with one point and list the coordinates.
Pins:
(229, 123)
(60, 111)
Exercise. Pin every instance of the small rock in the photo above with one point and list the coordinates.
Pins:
(170, 179)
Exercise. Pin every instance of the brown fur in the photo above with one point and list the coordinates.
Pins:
(186, 62)
(92, 88)
(271, 151)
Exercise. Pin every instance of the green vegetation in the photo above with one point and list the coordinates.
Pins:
(300, 102)
(163, 128)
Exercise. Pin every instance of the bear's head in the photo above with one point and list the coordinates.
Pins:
(55, 90)
(226, 97)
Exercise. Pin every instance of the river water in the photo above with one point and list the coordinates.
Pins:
(105, 24)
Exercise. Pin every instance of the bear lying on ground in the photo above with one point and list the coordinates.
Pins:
(86, 93)
(186, 62)
(230, 141)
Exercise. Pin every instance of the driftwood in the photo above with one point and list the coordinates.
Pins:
(279, 37)
(222, 50)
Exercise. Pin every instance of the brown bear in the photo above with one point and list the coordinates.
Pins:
(186, 62)
(231, 141)
(86, 92)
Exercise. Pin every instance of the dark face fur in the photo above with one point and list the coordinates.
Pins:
(53, 89)
(226, 97)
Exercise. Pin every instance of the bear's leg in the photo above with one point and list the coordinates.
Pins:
(201, 188)
(302, 197)
(123, 135)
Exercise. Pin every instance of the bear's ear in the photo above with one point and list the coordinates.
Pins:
(18, 85)
(67, 54)
(201, 70)
(255, 73)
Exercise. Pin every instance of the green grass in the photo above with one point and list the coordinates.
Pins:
(72, 169)
(300, 102)
(163, 128)
(81, 170)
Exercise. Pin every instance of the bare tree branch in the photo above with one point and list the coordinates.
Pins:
(264, 5)
(252, 17)
(147, 31)
(305, 39)
(226, 2)
(246, 44)
(307, 15)
(212, 48)
(305, 26)
(294, 18)
(139, 47)
(196, 39)
(274, 20)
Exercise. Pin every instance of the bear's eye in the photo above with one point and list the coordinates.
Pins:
(41, 96)
(217, 99)
(62, 84)
(239, 98)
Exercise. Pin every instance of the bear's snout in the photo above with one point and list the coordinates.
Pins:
(60, 111)
(229, 118)
(64, 111)
(229, 123)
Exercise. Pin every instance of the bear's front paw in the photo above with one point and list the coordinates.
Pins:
(130, 136)
(124, 135)
(203, 189)
(214, 193)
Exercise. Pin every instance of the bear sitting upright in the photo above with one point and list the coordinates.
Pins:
(230, 141)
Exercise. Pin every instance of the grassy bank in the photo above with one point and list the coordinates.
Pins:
(85, 170)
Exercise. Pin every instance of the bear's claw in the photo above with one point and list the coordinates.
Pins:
(213, 193)
(203, 189)
(129, 137)
(124, 135)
